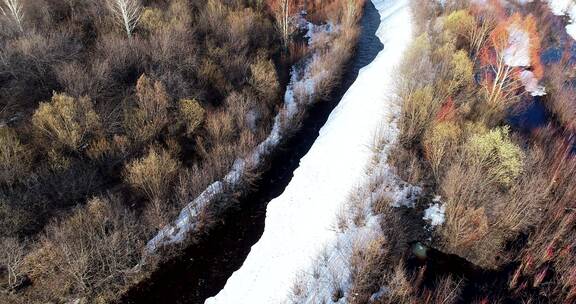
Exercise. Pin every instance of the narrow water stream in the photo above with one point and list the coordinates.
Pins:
(203, 268)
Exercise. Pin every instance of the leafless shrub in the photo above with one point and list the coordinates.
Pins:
(401, 287)
(283, 11)
(15, 158)
(424, 13)
(14, 217)
(90, 253)
(28, 63)
(562, 98)
(466, 219)
(84, 80)
(447, 291)
(12, 254)
(407, 165)
(368, 265)
(519, 209)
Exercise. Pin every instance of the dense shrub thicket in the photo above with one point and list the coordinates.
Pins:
(114, 114)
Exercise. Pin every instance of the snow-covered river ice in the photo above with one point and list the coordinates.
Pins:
(300, 222)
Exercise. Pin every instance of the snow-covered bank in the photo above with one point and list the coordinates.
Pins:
(358, 227)
(300, 223)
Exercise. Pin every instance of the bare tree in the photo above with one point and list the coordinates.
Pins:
(126, 12)
(11, 259)
(282, 10)
(13, 9)
(285, 21)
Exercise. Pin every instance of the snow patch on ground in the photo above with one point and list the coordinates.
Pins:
(565, 8)
(436, 213)
(531, 83)
(300, 223)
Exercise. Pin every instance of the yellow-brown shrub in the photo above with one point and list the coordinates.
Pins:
(152, 19)
(192, 113)
(418, 109)
(264, 80)
(15, 158)
(152, 174)
(66, 121)
(440, 141)
(145, 121)
(497, 154)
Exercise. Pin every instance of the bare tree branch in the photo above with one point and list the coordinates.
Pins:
(14, 11)
(127, 13)
(11, 259)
